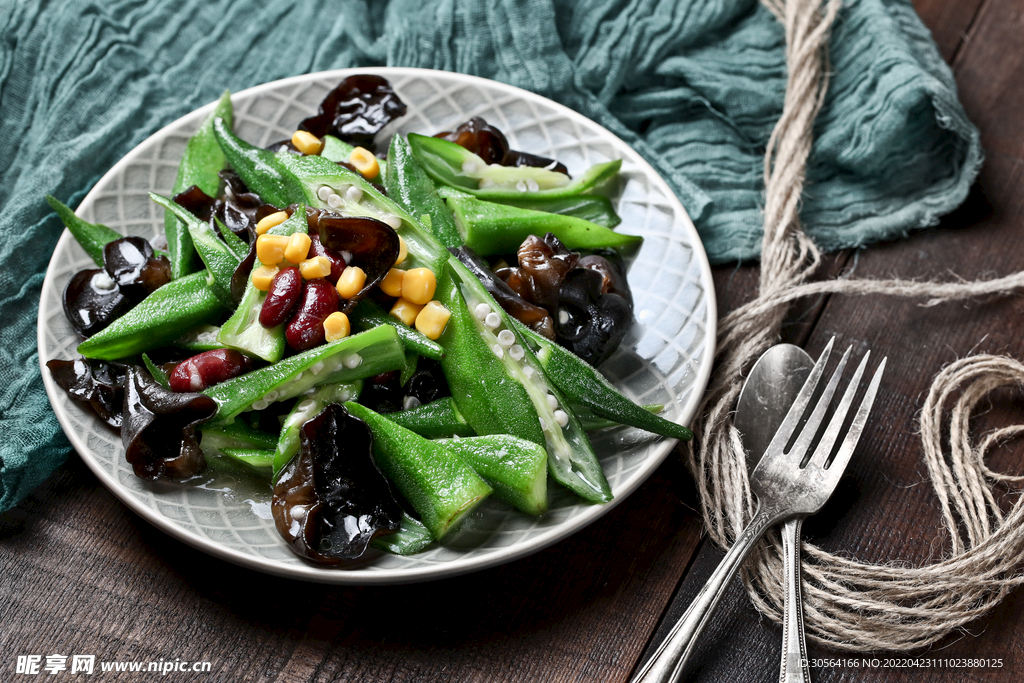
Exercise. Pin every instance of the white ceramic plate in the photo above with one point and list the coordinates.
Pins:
(666, 358)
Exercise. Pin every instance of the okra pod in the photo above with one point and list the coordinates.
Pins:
(345, 360)
(448, 163)
(236, 435)
(260, 169)
(440, 418)
(409, 185)
(583, 384)
(489, 228)
(368, 314)
(255, 460)
(157, 320)
(200, 164)
(92, 237)
(438, 484)
(515, 468)
(288, 442)
(412, 537)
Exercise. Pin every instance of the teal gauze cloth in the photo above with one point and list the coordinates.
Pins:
(694, 85)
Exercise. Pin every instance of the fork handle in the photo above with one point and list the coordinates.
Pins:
(794, 646)
(666, 664)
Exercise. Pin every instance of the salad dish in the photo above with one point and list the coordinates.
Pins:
(357, 340)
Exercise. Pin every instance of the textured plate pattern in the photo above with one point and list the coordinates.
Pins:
(665, 359)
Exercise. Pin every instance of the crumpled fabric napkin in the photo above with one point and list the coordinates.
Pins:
(694, 86)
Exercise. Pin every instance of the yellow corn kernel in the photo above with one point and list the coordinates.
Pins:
(365, 162)
(270, 249)
(351, 282)
(298, 247)
(262, 276)
(432, 320)
(403, 251)
(419, 285)
(406, 311)
(392, 282)
(318, 266)
(267, 222)
(306, 142)
(336, 326)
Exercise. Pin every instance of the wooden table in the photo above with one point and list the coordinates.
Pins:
(82, 574)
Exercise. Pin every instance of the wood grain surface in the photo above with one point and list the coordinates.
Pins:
(81, 574)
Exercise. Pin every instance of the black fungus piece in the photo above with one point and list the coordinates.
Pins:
(159, 428)
(238, 208)
(330, 500)
(373, 245)
(491, 145)
(92, 300)
(383, 393)
(613, 274)
(590, 323)
(543, 265)
(427, 384)
(197, 202)
(97, 383)
(356, 110)
(131, 263)
(534, 317)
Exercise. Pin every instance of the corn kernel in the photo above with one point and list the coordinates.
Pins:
(419, 285)
(262, 276)
(432, 319)
(306, 142)
(318, 266)
(406, 311)
(392, 282)
(270, 249)
(403, 251)
(351, 282)
(267, 222)
(298, 247)
(365, 162)
(336, 326)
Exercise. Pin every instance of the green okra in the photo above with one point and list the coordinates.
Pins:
(516, 469)
(583, 384)
(236, 435)
(593, 208)
(345, 360)
(157, 320)
(338, 150)
(412, 537)
(489, 228)
(235, 243)
(450, 164)
(219, 259)
(243, 331)
(287, 444)
(440, 418)
(91, 236)
(260, 169)
(200, 338)
(200, 165)
(592, 422)
(571, 458)
(369, 314)
(156, 371)
(255, 460)
(439, 485)
(410, 186)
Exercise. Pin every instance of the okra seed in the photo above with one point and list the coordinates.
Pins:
(334, 201)
(410, 402)
(469, 167)
(506, 338)
(347, 256)
(498, 351)
(354, 361)
(521, 186)
(493, 320)
(306, 405)
(532, 185)
(324, 193)
(487, 182)
(270, 396)
(552, 401)
(394, 221)
(481, 311)
(563, 317)
(317, 367)
(516, 352)
(562, 418)
(260, 405)
(528, 371)
(354, 194)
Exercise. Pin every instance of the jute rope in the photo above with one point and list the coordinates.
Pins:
(850, 605)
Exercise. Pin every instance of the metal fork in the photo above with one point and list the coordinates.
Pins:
(788, 482)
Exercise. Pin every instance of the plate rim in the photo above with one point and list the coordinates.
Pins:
(313, 573)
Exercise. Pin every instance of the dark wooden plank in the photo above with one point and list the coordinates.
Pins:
(885, 509)
(949, 22)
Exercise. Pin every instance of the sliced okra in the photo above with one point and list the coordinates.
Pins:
(260, 169)
(515, 468)
(440, 418)
(345, 360)
(368, 314)
(254, 460)
(92, 237)
(411, 538)
(411, 187)
(306, 409)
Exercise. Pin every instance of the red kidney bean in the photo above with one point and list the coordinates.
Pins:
(284, 292)
(306, 328)
(208, 368)
(318, 249)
